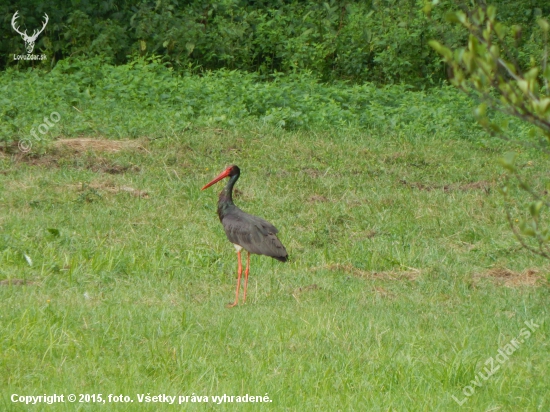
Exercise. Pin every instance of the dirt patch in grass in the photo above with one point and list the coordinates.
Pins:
(96, 164)
(232, 149)
(82, 153)
(307, 288)
(419, 186)
(480, 185)
(296, 293)
(47, 160)
(383, 292)
(511, 279)
(80, 144)
(317, 199)
(16, 282)
(393, 158)
(364, 235)
(313, 173)
(97, 145)
(412, 274)
(111, 187)
(370, 234)
(105, 166)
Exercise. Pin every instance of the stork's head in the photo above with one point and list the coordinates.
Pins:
(230, 171)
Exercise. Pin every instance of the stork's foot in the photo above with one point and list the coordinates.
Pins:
(230, 305)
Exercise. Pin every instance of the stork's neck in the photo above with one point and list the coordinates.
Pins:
(225, 200)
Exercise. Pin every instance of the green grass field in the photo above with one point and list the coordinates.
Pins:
(404, 276)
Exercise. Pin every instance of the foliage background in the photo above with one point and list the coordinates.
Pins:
(147, 98)
(380, 41)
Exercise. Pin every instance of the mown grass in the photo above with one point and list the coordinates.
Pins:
(388, 301)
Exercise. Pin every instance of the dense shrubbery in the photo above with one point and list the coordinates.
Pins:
(145, 97)
(382, 41)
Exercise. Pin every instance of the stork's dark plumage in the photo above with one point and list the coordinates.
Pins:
(245, 231)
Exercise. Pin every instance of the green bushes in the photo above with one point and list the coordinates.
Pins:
(145, 97)
(381, 41)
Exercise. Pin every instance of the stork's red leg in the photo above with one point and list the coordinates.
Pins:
(240, 271)
(246, 275)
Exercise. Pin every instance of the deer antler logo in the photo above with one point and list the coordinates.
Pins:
(29, 40)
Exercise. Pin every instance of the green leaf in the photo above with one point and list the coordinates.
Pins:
(481, 110)
(510, 67)
(516, 31)
(491, 13)
(306, 32)
(456, 17)
(544, 25)
(53, 232)
(427, 9)
(473, 44)
(527, 229)
(508, 160)
(543, 104)
(439, 48)
(532, 74)
(469, 60)
(535, 208)
(495, 127)
(500, 29)
(523, 85)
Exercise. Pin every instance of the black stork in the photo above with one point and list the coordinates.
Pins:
(245, 231)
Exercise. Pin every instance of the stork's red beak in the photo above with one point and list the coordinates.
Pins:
(221, 176)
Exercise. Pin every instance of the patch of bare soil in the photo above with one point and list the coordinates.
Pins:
(370, 234)
(97, 145)
(317, 199)
(17, 282)
(383, 292)
(104, 166)
(393, 158)
(419, 186)
(111, 187)
(480, 185)
(76, 151)
(314, 173)
(412, 274)
(296, 293)
(232, 149)
(47, 160)
(364, 234)
(306, 288)
(511, 279)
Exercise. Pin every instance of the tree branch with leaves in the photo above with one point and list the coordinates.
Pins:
(488, 70)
